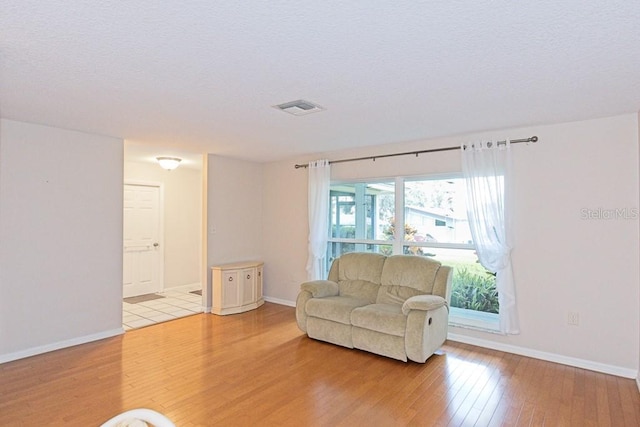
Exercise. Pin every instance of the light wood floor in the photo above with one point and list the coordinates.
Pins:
(257, 368)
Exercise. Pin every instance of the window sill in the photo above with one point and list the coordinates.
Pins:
(471, 319)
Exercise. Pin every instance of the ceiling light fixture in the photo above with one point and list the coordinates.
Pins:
(169, 163)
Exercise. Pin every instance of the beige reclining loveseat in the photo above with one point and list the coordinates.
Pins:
(395, 306)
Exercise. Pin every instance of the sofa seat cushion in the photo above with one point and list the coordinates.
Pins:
(384, 318)
(337, 308)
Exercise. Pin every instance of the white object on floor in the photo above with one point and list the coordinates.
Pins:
(138, 418)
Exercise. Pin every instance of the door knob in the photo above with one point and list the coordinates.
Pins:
(156, 244)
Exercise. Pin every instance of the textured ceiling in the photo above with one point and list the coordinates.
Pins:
(202, 75)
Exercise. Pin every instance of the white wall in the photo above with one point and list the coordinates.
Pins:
(561, 262)
(234, 206)
(182, 198)
(285, 227)
(60, 238)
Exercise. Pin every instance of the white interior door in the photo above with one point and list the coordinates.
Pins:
(142, 252)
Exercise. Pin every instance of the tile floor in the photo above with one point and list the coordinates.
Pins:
(175, 304)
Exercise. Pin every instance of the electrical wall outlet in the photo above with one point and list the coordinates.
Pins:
(573, 318)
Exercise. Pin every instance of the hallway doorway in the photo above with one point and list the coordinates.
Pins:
(178, 244)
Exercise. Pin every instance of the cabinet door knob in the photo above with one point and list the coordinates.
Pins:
(230, 279)
(248, 276)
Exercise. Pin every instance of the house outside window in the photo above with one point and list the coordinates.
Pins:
(368, 217)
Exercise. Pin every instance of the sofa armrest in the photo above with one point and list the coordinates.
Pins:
(321, 288)
(424, 303)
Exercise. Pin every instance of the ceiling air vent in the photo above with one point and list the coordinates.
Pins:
(299, 107)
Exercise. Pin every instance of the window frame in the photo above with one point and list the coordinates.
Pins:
(458, 317)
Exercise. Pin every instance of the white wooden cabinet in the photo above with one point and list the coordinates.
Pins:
(236, 287)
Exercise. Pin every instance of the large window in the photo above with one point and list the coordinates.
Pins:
(424, 217)
(361, 214)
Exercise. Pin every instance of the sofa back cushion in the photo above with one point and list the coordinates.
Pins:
(404, 276)
(359, 275)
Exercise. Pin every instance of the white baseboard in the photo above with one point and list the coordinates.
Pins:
(638, 382)
(280, 301)
(58, 345)
(550, 357)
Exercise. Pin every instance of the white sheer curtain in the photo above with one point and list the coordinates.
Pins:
(319, 179)
(487, 171)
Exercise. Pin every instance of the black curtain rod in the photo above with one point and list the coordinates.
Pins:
(415, 153)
